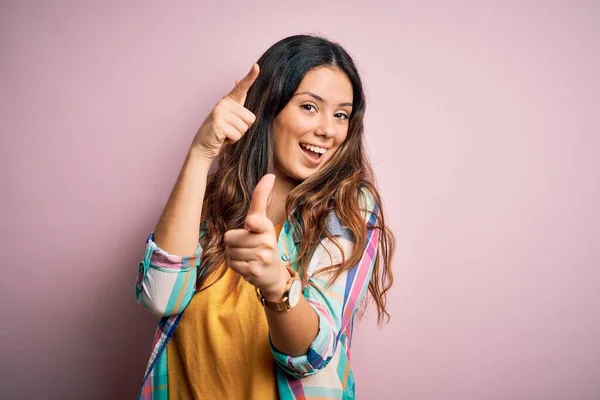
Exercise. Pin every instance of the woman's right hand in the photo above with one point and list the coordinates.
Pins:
(228, 120)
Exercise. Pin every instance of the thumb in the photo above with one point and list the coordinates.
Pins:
(260, 197)
(240, 90)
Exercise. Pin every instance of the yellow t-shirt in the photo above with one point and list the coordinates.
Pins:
(221, 350)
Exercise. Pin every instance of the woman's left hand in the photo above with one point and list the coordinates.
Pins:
(253, 252)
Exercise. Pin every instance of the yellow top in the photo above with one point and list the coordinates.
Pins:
(221, 350)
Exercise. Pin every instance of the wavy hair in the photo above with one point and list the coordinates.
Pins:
(242, 164)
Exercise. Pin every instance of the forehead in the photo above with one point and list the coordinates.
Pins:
(328, 82)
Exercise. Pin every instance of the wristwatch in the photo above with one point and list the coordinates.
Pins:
(291, 295)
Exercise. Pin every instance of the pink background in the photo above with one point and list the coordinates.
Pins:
(484, 132)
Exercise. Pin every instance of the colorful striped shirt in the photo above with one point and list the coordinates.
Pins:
(166, 284)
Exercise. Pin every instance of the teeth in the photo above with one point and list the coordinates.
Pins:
(313, 148)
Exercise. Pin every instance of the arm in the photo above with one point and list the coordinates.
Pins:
(166, 281)
(178, 226)
(177, 230)
(303, 341)
(167, 274)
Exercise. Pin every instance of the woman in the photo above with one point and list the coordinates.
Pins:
(291, 237)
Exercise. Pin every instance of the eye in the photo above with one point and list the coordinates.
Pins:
(308, 106)
(342, 116)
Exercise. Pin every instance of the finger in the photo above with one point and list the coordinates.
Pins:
(231, 106)
(236, 122)
(242, 112)
(256, 223)
(241, 253)
(260, 197)
(241, 238)
(232, 135)
(239, 92)
(241, 267)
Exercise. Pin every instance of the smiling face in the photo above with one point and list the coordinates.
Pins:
(313, 125)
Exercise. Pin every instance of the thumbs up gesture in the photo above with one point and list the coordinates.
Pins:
(252, 252)
(228, 120)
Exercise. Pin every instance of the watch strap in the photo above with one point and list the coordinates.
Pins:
(284, 303)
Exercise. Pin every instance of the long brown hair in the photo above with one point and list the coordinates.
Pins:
(242, 164)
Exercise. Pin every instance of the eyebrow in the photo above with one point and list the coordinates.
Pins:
(322, 99)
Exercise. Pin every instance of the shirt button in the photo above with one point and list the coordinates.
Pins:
(285, 257)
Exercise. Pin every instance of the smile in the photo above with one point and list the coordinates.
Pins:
(313, 154)
(313, 148)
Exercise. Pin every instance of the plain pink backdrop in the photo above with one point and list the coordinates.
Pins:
(483, 127)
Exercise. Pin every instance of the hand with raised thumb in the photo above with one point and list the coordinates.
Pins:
(229, 119)
(253, 251)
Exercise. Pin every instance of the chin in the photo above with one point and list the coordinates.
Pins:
(299, 175)
(298, 172)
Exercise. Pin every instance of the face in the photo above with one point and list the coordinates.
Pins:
(313, 124)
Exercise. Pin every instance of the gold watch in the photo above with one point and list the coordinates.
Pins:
(291, 295)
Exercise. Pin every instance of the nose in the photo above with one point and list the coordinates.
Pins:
(326, 127)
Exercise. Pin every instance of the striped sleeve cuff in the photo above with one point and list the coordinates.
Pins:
(160, 259)
(166, 283)
(311, 362)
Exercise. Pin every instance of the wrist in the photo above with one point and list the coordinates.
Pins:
(276, 291)
(198, 154)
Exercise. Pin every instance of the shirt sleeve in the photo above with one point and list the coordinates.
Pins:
(166, 282)
(334, 305)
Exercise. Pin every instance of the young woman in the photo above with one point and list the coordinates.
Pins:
(259, 269)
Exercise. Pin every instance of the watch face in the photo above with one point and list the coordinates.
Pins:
(295, 292)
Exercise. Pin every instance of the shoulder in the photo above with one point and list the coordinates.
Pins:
(368, 208)
(367, 202)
